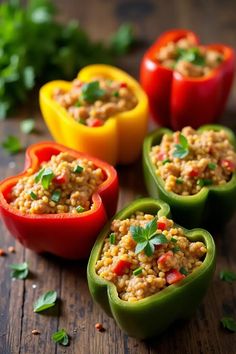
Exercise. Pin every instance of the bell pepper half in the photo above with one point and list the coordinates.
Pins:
(212, 205)
(176, 101)
(119, 140)
(152, 315)
(65, 235)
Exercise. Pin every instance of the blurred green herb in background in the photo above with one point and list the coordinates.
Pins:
(34, 46)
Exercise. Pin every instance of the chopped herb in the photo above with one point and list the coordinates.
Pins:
(179, 181)
(33, 195)
(82, 121)
(78, 169)
(227, 276)
(47, 177)
(173, 240)
(27, 126)
(38, 175)
(79, 209)
(176, 249)
(112, 238)
(147, 237)
(192, 55)
(19, 271)
(183, 271)
(212, 166)
(138, 271)
(229, 323)
(181, 149)
(12, 144)
(204, 182)
(61, 337)
(56, 195)
(92, 91)
(78, 104)
(45, 301)
(166, 161)
(116, 94)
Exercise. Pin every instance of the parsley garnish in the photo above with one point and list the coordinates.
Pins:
(56, 195)
(12, 145)
(92, 91)
(166, 161)
(45, 175)
(181, 149)
(78, 169)
(33, 195)
(116, 94)
(176, 249)
(229, 323)
(192, 55)
(45, 301)
(212, 166)
(138, 271)
(112, 238)
(204, 182)
(27, 126)
(78, 104)
(227, 276)
(173, 240)
(79, 209)
(147, 237)
(61, 337)
(183, 271)
(179, 181)
(19, 271)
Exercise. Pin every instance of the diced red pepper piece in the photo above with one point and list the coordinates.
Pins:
(229, 165)
(165, 257)
(194, 172)
(161, 156)
(123, 84)
(161, 225)
(61, 179)
(94, 122)
(121, 266)
(173, 276)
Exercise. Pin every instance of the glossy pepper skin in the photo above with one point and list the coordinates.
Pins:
(152, 315)
(65, 235)
(119, 140)
(175, 100)
(212, 206)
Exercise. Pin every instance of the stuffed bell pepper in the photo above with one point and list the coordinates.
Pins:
(194, 171)
(187, 83)
(146, 271)
(61, 200)
(101, 112)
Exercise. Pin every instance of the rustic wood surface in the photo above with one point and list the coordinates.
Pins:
(213, 21)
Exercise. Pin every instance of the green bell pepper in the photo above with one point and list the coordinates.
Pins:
(211, 206)
(152, 315)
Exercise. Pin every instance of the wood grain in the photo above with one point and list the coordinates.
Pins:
(213, 21)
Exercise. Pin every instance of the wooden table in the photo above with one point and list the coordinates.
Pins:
(213, 21)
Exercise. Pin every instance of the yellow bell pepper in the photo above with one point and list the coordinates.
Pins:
(119, 140)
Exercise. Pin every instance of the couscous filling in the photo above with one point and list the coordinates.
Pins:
(64, 184)
(143, 255)
(190, 159)
(92, 103)
(188, 59)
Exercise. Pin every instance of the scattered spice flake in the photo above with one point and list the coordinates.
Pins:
(11, 249)
(2, 253)
(35, 332)
(99, 327)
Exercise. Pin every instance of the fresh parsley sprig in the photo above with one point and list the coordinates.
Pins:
(147, 237)
(192, 55)
(45, 301)
(19, 271)
(229, 323)
(182, 148)
(92, 91)
(228, 276)
(61, 337)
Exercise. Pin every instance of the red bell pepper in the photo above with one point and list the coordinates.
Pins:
(121, 266)
(66, 235)
(175, 100)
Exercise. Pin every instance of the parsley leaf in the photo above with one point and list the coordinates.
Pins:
(204, 182)
(27, 126)
(229, 323)
(56, 195)
(12, 144)
(212, 165)
(181, 149)
(45, 301)
(92, 91)
(227, 276)
(61, 337)
(192, 55)
(147, 237)
(19, 271)
(45, 175)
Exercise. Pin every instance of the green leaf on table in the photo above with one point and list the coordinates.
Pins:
(19, 271)
(92, 91)
(27, 126)
(228, 276)
(12, 144)
(61, 337)
(181, 149)
(147, 237)
(229, 323)
(45, 301)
